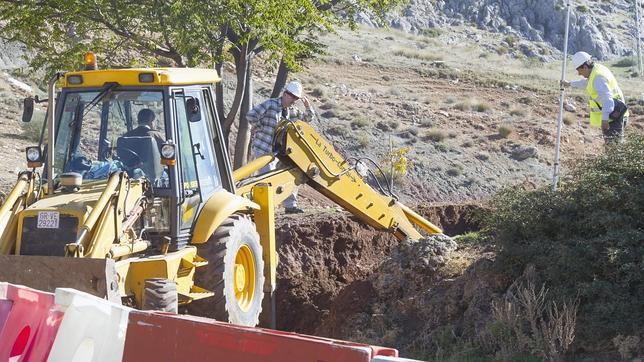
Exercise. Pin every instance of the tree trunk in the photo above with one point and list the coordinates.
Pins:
(219, 101)
(219, 90)
(280, 79)
(243, 132)
(241, 69)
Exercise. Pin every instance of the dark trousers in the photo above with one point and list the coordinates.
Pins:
(615, 131)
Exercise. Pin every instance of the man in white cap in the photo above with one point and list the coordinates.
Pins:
(265, 116)
(603, 91)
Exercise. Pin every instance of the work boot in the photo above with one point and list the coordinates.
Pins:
(293, 210)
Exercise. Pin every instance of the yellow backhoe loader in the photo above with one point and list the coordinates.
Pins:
(133, 197)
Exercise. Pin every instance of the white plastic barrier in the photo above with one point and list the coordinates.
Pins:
(392, 359)
(92, 329)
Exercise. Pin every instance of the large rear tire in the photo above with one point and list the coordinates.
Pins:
(235, 273)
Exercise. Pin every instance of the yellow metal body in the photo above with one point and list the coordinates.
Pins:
(219, 206)
(264, 195)
(317, 163)
(21, 194)
(99, 206)
(177, 266)
(251, 167)
(130, 77)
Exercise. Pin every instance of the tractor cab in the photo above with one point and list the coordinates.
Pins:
(158, 125)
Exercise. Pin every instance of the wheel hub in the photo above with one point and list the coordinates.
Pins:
(244, 274)
(240, 278)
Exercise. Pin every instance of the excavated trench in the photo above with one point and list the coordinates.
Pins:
(326, 259)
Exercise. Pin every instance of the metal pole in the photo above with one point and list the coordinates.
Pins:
(51, 113)
(391, 158)
(637, 35)
(555, 173)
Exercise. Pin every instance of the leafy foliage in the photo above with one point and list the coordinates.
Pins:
(587, 239)
(398, 161)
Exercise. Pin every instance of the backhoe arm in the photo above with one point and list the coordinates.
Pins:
(306, 157)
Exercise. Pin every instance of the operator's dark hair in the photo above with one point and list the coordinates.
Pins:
(589, 64)
(145, 116)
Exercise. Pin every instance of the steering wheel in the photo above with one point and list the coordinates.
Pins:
(132, 161)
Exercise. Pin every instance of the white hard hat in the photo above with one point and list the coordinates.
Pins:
(295, 88)
(579, 59)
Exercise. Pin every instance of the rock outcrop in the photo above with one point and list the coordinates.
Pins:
(592, 27)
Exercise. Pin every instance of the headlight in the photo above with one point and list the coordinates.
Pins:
(168, 154)
(168, 151)
(33, 154)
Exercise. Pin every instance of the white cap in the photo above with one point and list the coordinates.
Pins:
(579, 59)
(295, 88)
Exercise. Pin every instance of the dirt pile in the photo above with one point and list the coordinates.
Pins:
(319, 255)
(342, 279)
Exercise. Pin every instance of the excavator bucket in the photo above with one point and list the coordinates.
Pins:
(93, 276)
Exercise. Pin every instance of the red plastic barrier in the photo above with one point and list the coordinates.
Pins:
(163, 337)
(30, 324)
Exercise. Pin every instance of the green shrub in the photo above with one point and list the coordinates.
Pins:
(586, 240)
(472, 238)
(625, 63)
(360, 122)
(511, 40)
(441, 147)
(582, 8)
(318, 92)
(454, 171)
(431, 32)
(338, 130)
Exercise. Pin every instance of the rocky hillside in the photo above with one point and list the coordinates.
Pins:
(598, 27)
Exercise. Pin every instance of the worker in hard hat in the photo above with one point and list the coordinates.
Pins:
(263, 119)
(605, 96)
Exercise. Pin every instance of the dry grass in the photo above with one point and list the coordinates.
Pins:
(517, 112)
(363, 139)
(527, 322)
(435, 135)
(505, 130)
(481, 107)
(415, 54)
(463, 106)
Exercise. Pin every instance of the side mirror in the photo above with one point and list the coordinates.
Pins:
(28, 109)
(193, 109)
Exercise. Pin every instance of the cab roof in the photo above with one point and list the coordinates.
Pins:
(133, 77)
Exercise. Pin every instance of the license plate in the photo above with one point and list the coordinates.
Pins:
(48, 220)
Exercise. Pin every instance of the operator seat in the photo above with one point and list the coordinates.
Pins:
(147, 150)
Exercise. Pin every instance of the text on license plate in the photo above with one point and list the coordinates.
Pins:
(48, 220)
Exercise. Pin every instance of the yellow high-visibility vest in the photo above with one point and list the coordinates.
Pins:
(593, 102)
